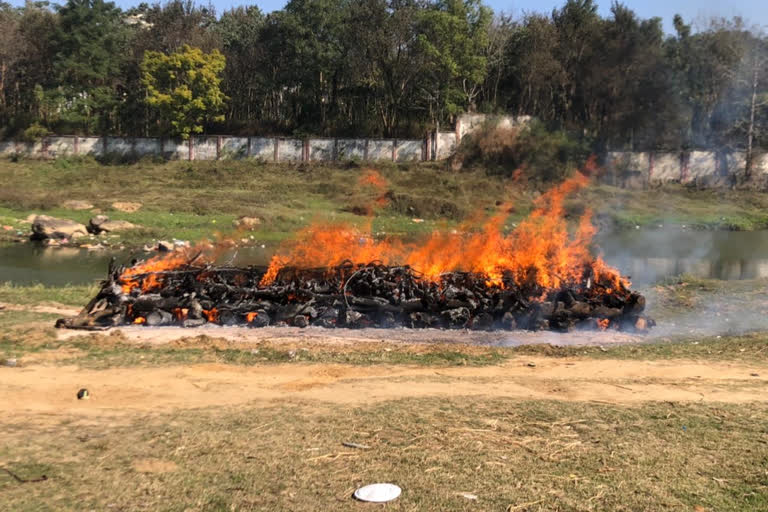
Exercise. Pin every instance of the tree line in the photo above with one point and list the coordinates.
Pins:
(390, 68)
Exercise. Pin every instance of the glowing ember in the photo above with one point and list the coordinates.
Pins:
(139, 320)
(250, 316)
(211, 315)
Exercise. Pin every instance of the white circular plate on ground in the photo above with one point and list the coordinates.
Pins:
(378, 493)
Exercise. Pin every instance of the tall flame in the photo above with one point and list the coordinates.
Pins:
(539, 251)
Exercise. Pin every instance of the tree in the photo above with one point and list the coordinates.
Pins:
(388, 57)
(454, 36)
(11, 46)
(239, 31)
(758, 59)
(91, 45)
(185, 88)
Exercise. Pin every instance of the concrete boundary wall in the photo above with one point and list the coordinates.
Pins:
(623, 168)
(225, 147)
(705, 168)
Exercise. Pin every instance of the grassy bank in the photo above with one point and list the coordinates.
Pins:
(192, 200)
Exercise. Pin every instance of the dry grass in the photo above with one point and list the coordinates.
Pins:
(512, 455)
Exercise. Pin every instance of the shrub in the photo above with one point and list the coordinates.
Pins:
(540, 154)
(35, 132)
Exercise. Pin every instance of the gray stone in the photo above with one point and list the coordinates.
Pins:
(111, 226)
(45, 227)
(102, 224)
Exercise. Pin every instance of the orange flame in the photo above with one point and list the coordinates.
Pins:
(538, 251)
(378, 184)
(139, 320)
(211, 315)
(147, 276)
(603, 324)
(251, 316)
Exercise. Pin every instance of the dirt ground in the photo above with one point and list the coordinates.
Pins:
(567, 429)
(351, 337)
(50, 390)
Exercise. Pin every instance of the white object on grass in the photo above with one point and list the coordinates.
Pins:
(378, 493)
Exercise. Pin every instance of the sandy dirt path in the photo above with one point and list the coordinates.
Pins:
(351, 337)
(51, 390)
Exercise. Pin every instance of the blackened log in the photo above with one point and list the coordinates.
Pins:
(635, 304)
(482, 322)
(159, 317)
(456, 318)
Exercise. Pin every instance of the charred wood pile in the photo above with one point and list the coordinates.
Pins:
(355, 296)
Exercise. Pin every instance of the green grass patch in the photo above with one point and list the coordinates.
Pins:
(194, 200)
(72, 295)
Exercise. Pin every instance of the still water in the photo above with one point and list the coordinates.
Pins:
(646, 256)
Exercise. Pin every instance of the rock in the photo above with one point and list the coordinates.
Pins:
(45, 227)
(83, 394)
(163, 246)
(102, 224)
(98, 220)
(246, 223)
(76, 204)
(127, 207)
(11, 362)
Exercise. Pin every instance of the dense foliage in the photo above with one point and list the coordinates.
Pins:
(383, 68)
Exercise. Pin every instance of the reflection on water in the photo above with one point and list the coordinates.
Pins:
(646, 256)
(33, 263)
(648, 270)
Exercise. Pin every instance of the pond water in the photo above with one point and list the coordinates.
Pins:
(646, 256)
(30, 263)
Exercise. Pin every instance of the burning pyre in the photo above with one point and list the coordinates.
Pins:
(536, 277)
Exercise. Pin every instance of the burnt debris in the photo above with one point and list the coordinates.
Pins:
(355, 296)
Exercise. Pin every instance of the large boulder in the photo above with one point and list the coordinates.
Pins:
(102, 224)
(45, 227)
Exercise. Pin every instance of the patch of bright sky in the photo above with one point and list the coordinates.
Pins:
(753, 12)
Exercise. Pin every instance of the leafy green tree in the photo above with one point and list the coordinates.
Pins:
(454, 36)
(90, 49)
(185, 89)
(388, 61)
(239, 31)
